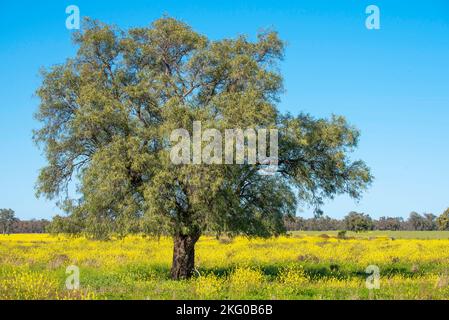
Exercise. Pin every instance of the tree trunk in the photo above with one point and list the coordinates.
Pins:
(183, 256)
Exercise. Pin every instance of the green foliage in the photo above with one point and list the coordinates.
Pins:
(425, 222)
(341, 234)
(107, 113)
(358, 222)
(388, 223)
(7, 219)
(443, 220)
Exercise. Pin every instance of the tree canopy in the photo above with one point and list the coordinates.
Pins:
(443, 220)
(358, 222)
(7, 220)
(107, 113)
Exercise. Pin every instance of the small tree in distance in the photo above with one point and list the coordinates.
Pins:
(106, 116)
(443, 220)
(389, 223)
(358, 222)
(7, 220)
(425, 222)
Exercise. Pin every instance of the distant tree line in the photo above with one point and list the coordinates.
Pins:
(30, 226)
(10, 224)
(355, 221)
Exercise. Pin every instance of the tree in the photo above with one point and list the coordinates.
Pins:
(431, 221)
(443, 220)
(387, 223)
(426, 222)
(29, 226)
(416, 221)
(294, 223)
(324, 223)
(358, 222)
(7, 220)
(107, 113)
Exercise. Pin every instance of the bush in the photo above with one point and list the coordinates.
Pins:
(341, 234)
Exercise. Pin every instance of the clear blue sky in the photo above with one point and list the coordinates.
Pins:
(393, 84)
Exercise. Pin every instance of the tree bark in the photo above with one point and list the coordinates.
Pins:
(183, 256)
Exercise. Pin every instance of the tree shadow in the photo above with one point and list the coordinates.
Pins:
(316, 271)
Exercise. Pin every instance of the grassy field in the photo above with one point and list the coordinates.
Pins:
(301, 266)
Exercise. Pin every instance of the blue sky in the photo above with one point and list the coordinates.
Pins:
(392, 83)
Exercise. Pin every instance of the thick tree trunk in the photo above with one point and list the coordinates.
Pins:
(183, 256)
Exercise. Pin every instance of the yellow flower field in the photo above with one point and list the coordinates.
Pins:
(294, 267)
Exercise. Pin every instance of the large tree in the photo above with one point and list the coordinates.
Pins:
(106, 116)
